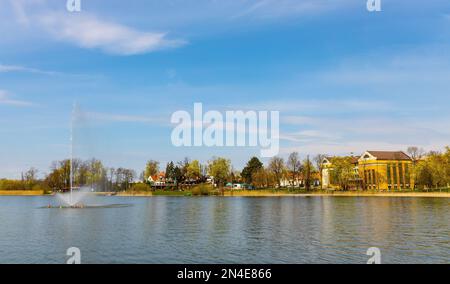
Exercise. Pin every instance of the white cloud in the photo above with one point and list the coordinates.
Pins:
(17, 68)
(88, 31)
(5, 99)
(40, 18)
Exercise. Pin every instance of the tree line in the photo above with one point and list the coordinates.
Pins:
(430, 170)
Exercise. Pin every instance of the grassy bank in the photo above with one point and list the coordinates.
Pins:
(199, 190)
(21, 192)
(154, 193)
(273, 192)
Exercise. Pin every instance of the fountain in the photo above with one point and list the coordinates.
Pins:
(72, 199)
(77, 197)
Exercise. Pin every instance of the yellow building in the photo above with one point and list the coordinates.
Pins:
(385, 170)
(376, 170)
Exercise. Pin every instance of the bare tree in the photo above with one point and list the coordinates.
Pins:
(294, 165)
(318, 161)
(415, 153)
(30, 175)
(276, 166)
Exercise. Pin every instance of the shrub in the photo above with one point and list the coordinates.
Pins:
(139, 187)
(202, 190)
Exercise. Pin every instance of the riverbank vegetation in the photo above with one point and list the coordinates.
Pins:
(430, 171)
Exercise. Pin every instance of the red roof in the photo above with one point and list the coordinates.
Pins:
(389, 155)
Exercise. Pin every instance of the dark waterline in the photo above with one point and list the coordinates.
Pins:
(227, 230)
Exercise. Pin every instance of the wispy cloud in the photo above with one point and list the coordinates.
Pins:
(88, 31)
(108, 117)
(333, 135)
(330, 105)
(354, 147)
(5, 99)
(280, 8)
(17, 68)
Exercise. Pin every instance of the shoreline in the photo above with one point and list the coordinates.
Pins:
(22, 193)
(256, 193)
(342, 194)
(284, 194)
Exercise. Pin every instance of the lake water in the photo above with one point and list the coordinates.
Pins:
(227, 230)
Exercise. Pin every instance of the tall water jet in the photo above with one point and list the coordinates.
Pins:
(78, 187)
(71, 155)
(72, 199)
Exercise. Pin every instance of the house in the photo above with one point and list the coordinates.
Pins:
(299, 181)
(238, 186)
(158, 179)
(375, 170)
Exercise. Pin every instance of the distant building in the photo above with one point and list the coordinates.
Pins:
(299, 180)
(158, 179)
(380, 170)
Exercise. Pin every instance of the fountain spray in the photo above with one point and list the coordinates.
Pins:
(71, 155)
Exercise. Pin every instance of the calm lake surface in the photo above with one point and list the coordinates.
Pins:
(227, 230)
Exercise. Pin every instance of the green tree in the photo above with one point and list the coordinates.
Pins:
(151, 168)
(342, 172)
(170, 172)
(96, 173)
(220, 169)
(193, 171)
(178, 175)
(437, 165)
(253, 165)
(447, 165)
(423, 175)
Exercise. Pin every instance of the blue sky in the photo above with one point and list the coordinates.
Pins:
(344, 80)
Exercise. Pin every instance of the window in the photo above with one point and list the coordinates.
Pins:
(394, 172)
(388, 174)
(407, 175)
(374, 178)
(400, 173)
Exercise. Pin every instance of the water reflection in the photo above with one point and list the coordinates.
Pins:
(228, 230)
